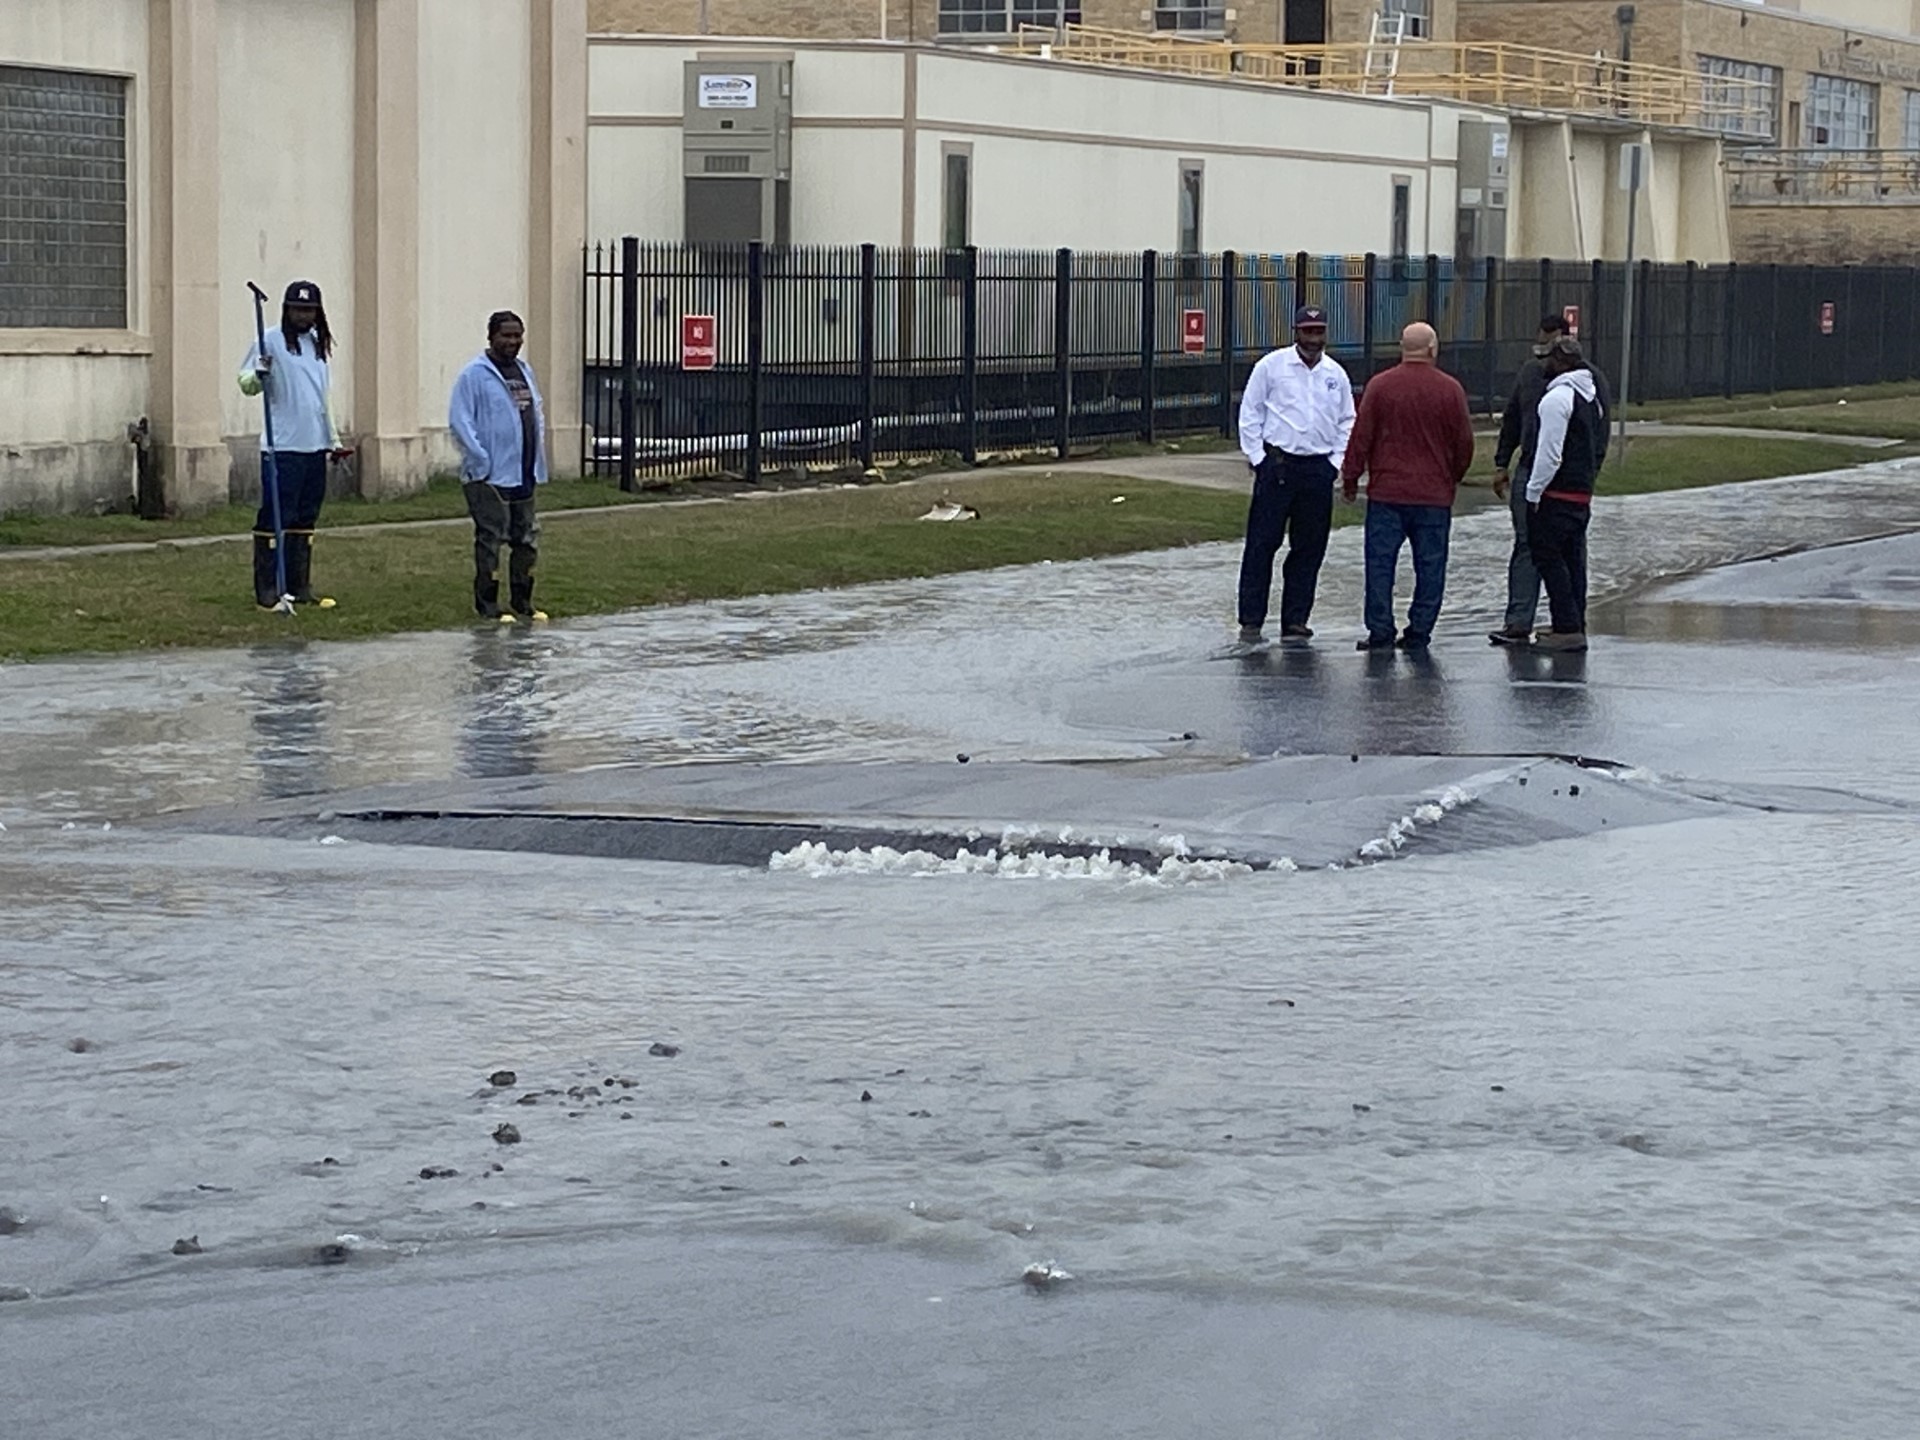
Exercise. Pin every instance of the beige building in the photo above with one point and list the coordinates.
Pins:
(943, 147)
(424, 161)
(1830, 168)
(1044, 151)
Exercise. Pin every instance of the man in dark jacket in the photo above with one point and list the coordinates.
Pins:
(1414, 440)
(1514, 452)
(1570, 443)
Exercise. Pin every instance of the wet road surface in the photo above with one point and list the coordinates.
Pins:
(1603, 1134)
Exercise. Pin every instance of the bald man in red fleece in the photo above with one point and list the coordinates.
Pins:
(1413, 438)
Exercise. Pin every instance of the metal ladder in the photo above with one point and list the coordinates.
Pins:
(1383, 51)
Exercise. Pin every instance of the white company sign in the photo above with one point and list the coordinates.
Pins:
(727, 92)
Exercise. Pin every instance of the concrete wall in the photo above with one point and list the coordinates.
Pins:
(1062, 155)
(424, 161)
(280, 221)
(1568, 204)
(474, 82)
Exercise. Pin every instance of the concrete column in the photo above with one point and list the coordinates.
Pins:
(386, 247)
(189, 372)
(557, 218)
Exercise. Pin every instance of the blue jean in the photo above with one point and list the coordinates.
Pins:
(1292, 497)
(1426, 528)
(302, 476)
(1523, 580)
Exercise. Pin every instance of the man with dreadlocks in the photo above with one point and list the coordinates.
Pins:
(293, 370)
(499, 424)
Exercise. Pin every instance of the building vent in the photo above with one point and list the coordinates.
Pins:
(737, 121)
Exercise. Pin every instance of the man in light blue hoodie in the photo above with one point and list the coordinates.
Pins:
(500, 426)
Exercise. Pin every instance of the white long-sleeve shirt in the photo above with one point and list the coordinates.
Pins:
(301, 389)
(1302, 409)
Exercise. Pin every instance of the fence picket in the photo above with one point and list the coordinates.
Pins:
(827, 357)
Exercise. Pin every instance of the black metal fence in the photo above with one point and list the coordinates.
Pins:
(743, 360)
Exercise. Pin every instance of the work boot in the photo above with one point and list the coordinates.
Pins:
(486, 594)
(521, 588)
(300, 567)
(266, 593)
(1510, 635)
(1563, 641)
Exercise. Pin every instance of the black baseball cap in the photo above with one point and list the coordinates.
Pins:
(1309, 315)
(303, 292)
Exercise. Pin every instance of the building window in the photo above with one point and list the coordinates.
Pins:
(63, 200)
(1402, 216)
(1192, 180)
(1842, 114)
(1910, 122)
(1002, 17)
(1415, 18)
(1740, 98)
(1205, 16)
(956, 197)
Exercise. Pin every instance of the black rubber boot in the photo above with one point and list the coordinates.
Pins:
(486, 594)
(265, 581)
(520, 588)
(300, 567)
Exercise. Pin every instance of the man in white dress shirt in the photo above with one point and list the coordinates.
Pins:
(1295, 418)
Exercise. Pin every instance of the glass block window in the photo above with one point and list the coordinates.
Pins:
(1741, 109)
(1203, 16)
(1842, 114)
(1003, 17)
(63, 199)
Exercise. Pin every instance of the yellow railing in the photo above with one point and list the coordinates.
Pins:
(1825, 177)
(1496, 75)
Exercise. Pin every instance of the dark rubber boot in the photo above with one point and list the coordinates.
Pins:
(520, 590)
(265, 595)
(300, 567)
(486, 594)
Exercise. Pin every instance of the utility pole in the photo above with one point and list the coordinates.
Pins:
(1630, 159)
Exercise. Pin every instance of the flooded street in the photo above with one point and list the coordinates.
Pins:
(1541, 1125)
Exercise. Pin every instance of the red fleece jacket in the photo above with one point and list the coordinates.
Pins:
(1413, 437)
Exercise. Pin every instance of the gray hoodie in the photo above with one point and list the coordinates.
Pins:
(1556, 408)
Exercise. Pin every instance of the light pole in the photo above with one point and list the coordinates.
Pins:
(1630, 160)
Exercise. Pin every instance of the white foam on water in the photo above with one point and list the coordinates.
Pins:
(1430, 812)
(815, 857)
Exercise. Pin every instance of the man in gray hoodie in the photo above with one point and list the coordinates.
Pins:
(1512, 454)
(1571, 443)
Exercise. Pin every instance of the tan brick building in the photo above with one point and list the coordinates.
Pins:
(1829, 168)
(1297, 22)
(1836, 86)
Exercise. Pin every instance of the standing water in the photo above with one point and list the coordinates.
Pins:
(1539, 1127)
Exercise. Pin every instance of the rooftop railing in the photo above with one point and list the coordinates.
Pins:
(1493, 75)
(1824, 177)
